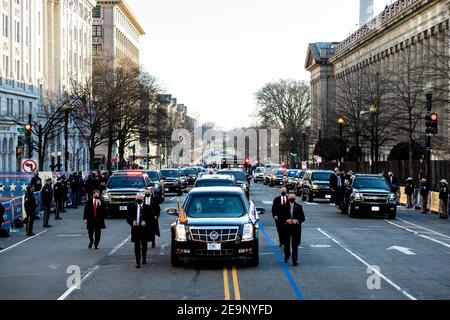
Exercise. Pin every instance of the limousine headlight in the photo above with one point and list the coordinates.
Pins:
(106, 196)
(180, 233)
(247, 234)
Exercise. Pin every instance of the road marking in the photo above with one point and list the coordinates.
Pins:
(283, 265)
(172, 198)
(267, 202)
(19, 243)
(69, 235)
(320, 246)
(432, 231)
(237, 293)
(119, 246)
(419, 235)
(398, 288)
(226, 287)
(403, 250)
(71, 289)
(311, 203)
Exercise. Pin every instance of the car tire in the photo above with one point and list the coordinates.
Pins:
(344, 209)
(351, 213)
(254, 260)
(310, 198)
(180, 193)
(174, 260)
(392, 216)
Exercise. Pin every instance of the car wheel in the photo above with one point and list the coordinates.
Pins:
(392, 216)
(310, 197)
(180, 193)
(351, 213)
(254, 260)
(174, 260)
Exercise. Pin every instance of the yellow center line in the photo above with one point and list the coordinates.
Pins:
(226, 287)
(237, 294)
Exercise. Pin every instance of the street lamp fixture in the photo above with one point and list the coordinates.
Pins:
(52, 154)
(341, 121)
(373, 110)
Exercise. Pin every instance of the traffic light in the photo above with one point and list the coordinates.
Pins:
(431, 123)
(247, 162)
(29, 139)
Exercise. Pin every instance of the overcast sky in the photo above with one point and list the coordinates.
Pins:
(213, 55)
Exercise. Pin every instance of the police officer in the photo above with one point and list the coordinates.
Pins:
(74, 189)
(30, 210)
(58, 190)
(36, 181)
(443, 199)
(47, 197)
(409, 191)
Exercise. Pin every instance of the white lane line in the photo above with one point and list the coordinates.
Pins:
(419, 235)
(311, 204)
(69, 235)
(19, 243)
(119, 246)
(398, 288)
(267, 202)
(172, 198)
(72, 288)
(432, 231)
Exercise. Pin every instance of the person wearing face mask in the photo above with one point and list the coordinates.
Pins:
(278, 204)
(94, 218)
(151, 201)
(140, 219)
(292, 219)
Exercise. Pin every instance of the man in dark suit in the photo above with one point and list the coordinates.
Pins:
(30, 209)
(47, 198)
(150, 200)
(94, 218)
(292, 219)
(140, 218)
(277, 208)
(334, 185)
(59, 197)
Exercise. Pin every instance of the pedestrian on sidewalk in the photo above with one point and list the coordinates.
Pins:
(278, 204)
(292, 219)
(30, 210)
(94, 218)
(409, 191)
(139, 217)
(443, 199)
(59, 197)
(47, 198)
(424, 192)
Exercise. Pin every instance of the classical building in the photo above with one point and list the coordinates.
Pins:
(21, 74)
(414, 29)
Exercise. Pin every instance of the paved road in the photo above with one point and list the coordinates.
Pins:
(337, 259)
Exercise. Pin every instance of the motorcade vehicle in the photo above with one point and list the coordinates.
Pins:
(258, 174)
(269, 169)
(277, 177)
(191, 175)
(241, 179)
(217, 180)
(157, 182)
(290, 179)
(214, 223)
(298, 187)
(316, 185)
(172, 181)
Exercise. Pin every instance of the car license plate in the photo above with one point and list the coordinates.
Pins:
(214, 246)
(166, 189)
(377, 209)
(123, 208)
(328, 196)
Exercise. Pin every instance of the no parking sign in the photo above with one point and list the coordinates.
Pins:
(29, 165)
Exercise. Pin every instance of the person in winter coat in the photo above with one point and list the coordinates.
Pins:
(424, 192)
(30, 210)
(443, 199)
(409, 191)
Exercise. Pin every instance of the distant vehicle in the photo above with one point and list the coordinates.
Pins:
(121, 190)
(290, 179)
(371, 195)
(277, 177)
(157, 183)
(269, 170)
(191, 175)
(219, 226)
(298, 187)
(172, 181)
(258, 174)
(316, 185)
(239, 176)
(217, 180)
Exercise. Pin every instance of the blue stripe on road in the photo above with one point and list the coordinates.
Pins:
(283, 265)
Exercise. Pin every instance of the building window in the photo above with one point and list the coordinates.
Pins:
(97, 31)
(39, 59)
(5, 25)
(96, 49)
(97, 12)
(17, 69)
(17, 31)
(6, 64)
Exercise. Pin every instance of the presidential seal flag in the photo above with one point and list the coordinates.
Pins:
(181, 214)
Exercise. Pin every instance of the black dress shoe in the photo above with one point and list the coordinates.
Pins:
(295, 264)
(153, 245)
(144, 262)
(31, 234)
(138, 266)
(96, 247)
(48, 226)
(90, 245)
(59, 218)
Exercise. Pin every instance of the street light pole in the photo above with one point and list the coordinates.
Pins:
(341, 122)
(66, 139)
(373, 153)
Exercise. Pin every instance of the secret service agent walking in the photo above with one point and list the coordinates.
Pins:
(47, 197)
(140, 218)
(443, 199)
(277, 209)
(94, 218)
(30, 209)
(292, 219)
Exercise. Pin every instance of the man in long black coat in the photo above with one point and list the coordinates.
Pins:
(150, 200)
(277, 208)
(292, 219)
(140, 218)
(47, 198)
(59, 197)
(30, 209)
(94, 218)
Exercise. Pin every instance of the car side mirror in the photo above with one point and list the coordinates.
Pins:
(261, 210)
(172, 211)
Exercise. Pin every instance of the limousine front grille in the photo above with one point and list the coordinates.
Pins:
(214, 253)
(214, 234)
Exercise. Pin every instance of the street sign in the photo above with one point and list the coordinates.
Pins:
(29, 165)
(21, 130)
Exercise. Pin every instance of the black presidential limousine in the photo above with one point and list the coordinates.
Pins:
(219, 226)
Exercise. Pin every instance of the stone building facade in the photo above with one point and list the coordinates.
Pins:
(420, 27)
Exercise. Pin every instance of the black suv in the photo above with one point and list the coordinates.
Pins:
(219, 226)
(316, 184)
(172, 181)
(157, 183)
(191, 175)
(290, 179)
(369, 194)
(216, 180)
(121, 190)
(240, 177)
